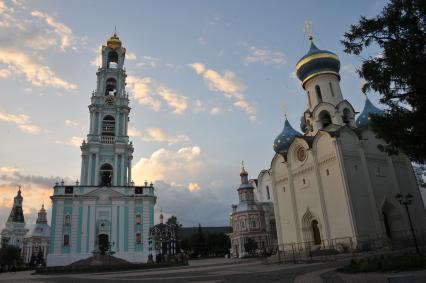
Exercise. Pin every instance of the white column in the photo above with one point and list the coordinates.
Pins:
(321, 195)
(122, 229)
(96, 169)
(74, 226)
(84, 229)
(89, 175)
(294, 202)
(115, 172)
(123, 170)
(92, 227)
(114, 225)
(99, 123)
(131, 228)
(146, 217)
(129, 170)
(59, 222)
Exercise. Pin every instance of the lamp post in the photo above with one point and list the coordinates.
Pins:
(406, 201)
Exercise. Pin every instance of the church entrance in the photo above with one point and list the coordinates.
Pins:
(106, 175)
(103, 243)
(316, 232)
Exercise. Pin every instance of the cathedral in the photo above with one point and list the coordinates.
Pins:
(331, 182)
(105, 213)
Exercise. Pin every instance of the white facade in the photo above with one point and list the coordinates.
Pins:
(14, 232)
(106, 212)
(36, 243)
(333, 182)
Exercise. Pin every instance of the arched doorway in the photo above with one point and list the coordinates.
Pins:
(316, 232)
(392, 220)
(106, 175)
(103, 243)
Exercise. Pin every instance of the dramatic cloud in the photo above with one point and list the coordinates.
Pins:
(170, 166)
(193, 187)
(8, 169)
(22, 122)
(265, 57)
(158, 135)
(131, 56)
(151, 94)
(228, 84)
(70, 124)
(23, 35)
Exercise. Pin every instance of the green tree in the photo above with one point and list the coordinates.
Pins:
(250, 246)
(397, 73)
(199, 242)
(10, 255)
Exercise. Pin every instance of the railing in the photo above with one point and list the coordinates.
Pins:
(107, 139)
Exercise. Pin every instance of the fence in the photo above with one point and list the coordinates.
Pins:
(333, 249)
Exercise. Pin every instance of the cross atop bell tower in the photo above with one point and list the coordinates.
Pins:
(107, 154)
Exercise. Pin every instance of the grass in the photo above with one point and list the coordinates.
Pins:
(388, 263)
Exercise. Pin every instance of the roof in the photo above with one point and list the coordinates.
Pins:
(316, 62)
(285, 138)
(364, 118)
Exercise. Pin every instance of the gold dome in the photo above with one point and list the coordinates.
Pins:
(114, 41)
(42, 210)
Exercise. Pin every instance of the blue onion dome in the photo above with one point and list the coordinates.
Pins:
(285, 138)
(364, 118)
(317, 62)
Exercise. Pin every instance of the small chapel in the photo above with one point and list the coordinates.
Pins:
(104, 213)
(331, 182)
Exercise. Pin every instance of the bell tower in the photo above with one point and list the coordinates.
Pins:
(107, 153)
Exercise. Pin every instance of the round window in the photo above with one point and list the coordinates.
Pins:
(301, 153)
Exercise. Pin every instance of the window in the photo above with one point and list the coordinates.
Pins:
(325, 118)
(66, 240)
(318, 91)
(67, 220)
(69, 190)
(108, 126)
(267, 192)
(111, 87)
(331, 89)
(304, 181)
(327, 172)
(346, 116)
(356, 167)
(253, 224)
(138, 219)
(112, 59)
(284, 189)
(138, 238)
(309, 100)
(106, 175)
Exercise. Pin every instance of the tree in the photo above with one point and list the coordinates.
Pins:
(199, 242)
(250, 246)
(397, 73)
(10, 255)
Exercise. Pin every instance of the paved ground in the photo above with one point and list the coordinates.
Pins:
(220, 270)
(205, 271)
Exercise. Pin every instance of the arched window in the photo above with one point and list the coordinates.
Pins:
(108, 126)
(318, 91)
(331, 89)
(67, 220)
(66, 240)
(325, 118)
(106, 175)
(112, 59)
(138, 238)
(111, 87)
(346, 116)
(138, 219)
(267, 192)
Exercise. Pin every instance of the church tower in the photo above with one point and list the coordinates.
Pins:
(318, 71)
(105, 212)
(107, 155)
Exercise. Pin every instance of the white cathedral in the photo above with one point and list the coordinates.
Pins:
(332, 182)
(104, 213)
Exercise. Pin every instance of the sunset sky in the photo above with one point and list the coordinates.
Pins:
(210, 82)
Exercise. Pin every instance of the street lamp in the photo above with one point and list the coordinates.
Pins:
(406, 201)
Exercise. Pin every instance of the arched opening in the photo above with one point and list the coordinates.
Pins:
(108, 126)
(318, 92)
(346, 116)
(111, 87)
(103, 243)
(392, 221)
(325, 118)
(112, 59)
(316, 232)
(106, 175)
(387, 225)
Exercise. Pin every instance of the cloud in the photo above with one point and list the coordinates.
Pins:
(8, 169)
(153, 62)
(193, 187)
(228, 84)
(131, 56)
(215, 110)
(265, 57)
(151, 94)
(22, 122)
(158, 135)
(168, 165)
(70, 124)
(73, 141)
(350, 69)
(23, 36)
(133, 132)
(64, 32)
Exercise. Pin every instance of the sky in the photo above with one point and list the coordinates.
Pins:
(209, 83)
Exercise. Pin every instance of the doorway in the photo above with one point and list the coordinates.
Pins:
(316, 233)
(103, 243)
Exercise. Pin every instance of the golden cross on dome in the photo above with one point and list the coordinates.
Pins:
(308, 30)
(284, 108)
(115, 30)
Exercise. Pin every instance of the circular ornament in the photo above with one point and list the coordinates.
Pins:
(301, 153)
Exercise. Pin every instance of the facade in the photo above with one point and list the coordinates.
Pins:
(251, 219)
(332, 182)
(36, 243)
(105, 212)
(14, 232)
(164, 240)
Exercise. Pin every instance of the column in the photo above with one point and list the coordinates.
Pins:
(293, 201)
(129, 170)
(74, 226)
(115, 172)
(131, 218)
(123, 169)
(321, 195)
(96, 182)
(59, 222)
(84, 230)
(89, 179)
